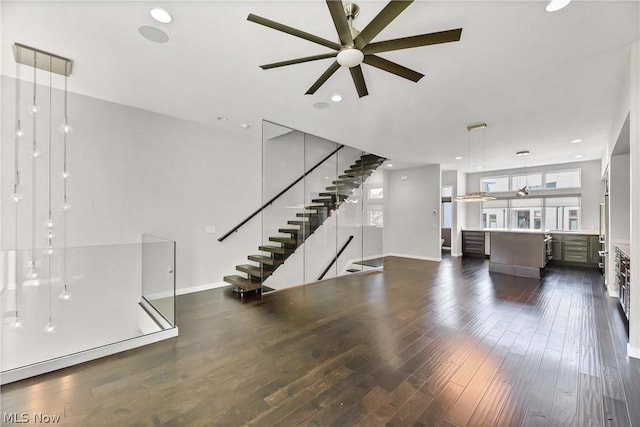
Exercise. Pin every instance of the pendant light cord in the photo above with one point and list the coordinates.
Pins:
(16, 182)
(33, 168)
(64, 180)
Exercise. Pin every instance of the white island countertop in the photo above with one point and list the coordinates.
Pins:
(530, 231)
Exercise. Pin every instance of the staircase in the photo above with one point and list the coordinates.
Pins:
(297, 230)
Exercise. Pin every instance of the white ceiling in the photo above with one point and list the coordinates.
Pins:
(539, 80)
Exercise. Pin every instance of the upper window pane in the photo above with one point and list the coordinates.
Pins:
(447, 191)
(533, 181)
(566, 179)
(500, 183)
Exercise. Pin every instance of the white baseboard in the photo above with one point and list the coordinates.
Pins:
(456, 254)
(633, 352)
(422, 258)
(200, 288)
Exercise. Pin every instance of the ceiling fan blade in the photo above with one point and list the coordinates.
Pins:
(323, 78)
(392, 67)
(294, 32)
(382, 19)
(340, 21)
(358, 80)
(414, 41)
(299, 60)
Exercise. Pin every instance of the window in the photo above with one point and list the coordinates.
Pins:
(376, 193)
(526, 214)
(446, 194)
(566, 179)
(562, 213)
(500, 183)
(533, 181)
(376, 216)
(446, 214)
(494, 214)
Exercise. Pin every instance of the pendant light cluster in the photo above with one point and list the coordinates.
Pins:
(51, 64)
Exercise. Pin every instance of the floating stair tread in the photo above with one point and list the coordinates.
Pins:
(285, 240)
(243, 283)
(334, 195)
(307, 215)
(274, 249)
(353, 270)
(342, 187)
(263, 259)
(316, 206)
(354, 174)
(353, 181)
(253, 270)
(330, 201)
(294, 230)
(299, 222)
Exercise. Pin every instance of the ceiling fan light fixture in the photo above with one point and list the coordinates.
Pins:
(350, 57)
(161, 15)
(556, 5)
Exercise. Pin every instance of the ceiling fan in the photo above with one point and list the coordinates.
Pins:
(355, 46)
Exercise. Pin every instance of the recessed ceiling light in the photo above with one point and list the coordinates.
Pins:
(160, 15)
(389, 165)
(578, 156)
(245, 126)
(459, 158)
(336, 98)
(556, 5)
(576, 141)
(153, 34)
(222, 118)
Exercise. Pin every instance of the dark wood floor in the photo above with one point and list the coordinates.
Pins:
(423, 344)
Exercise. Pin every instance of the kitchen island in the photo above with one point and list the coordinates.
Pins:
(519, 252)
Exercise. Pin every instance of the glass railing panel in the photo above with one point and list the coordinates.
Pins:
(100, 305)
(158, 277)
(373, 220)
(282, 165)
(349, 215)
(320, 198)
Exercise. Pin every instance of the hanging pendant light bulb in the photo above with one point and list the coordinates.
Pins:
(15, 197)
(16, 322)
(32, 270)
(65, 295)
(33, 109)
(65, 128)
(65, 174)
(49, 327)
(65, 207)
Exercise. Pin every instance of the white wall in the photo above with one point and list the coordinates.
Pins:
(620, 198)
(592, 191)
(136, 172)
(411, 227)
